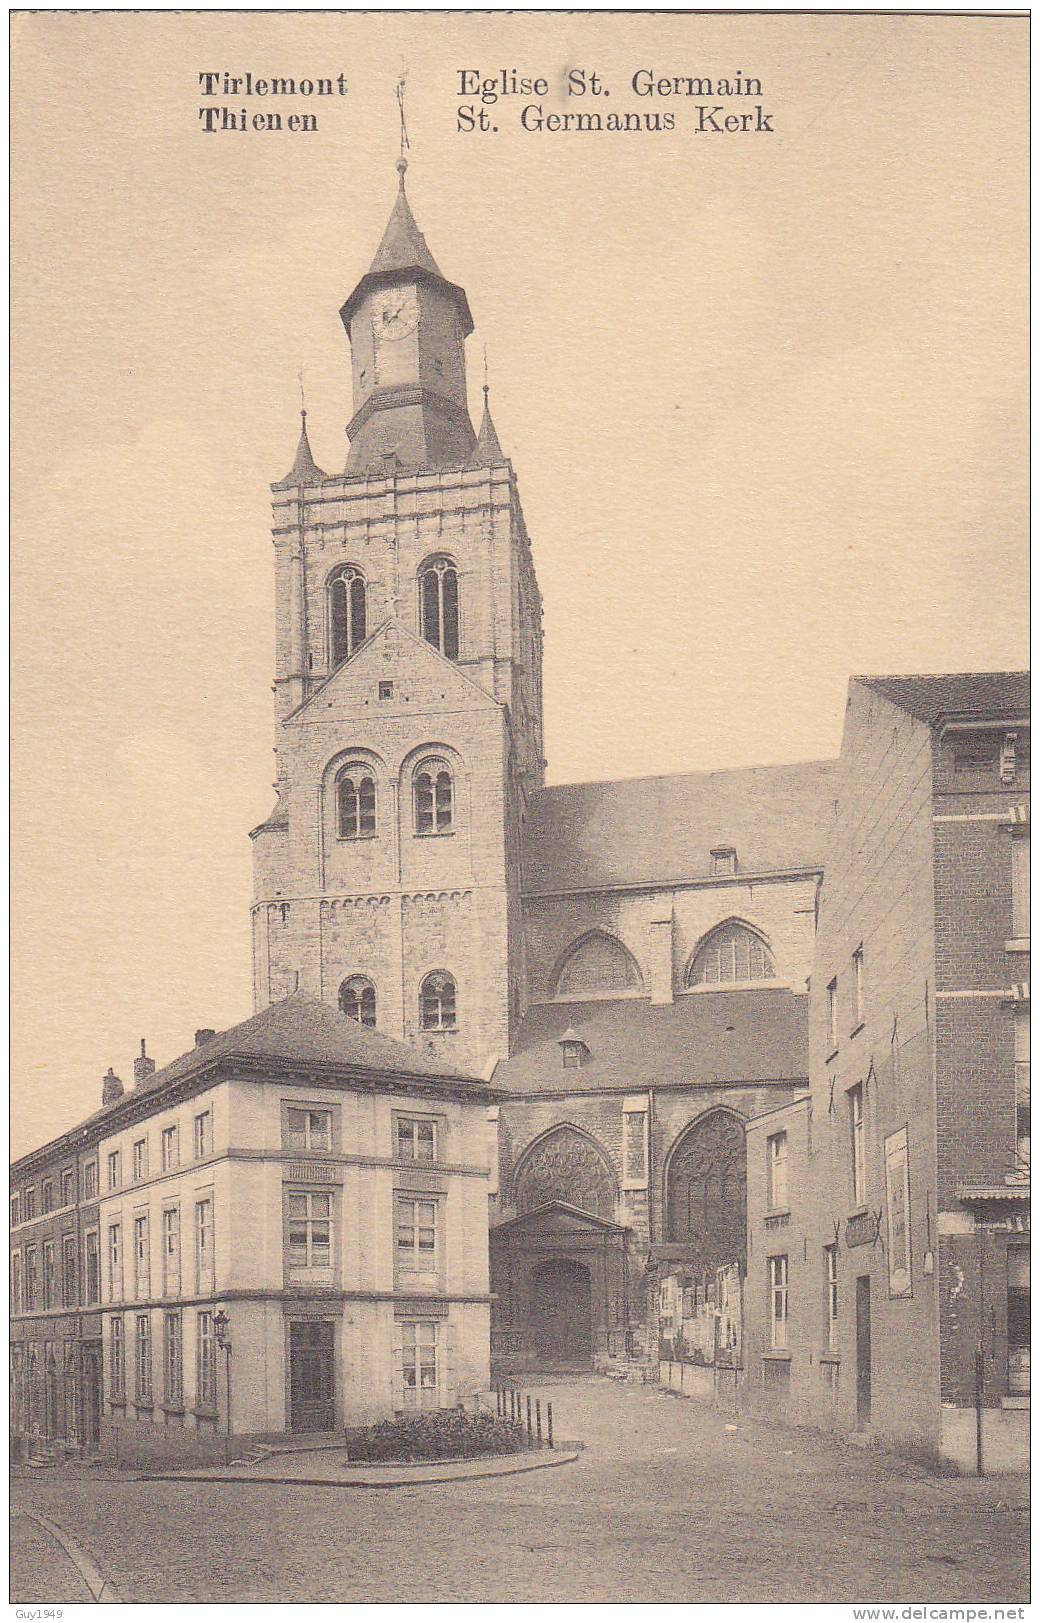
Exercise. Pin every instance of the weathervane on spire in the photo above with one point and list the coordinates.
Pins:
(402, 162)
(303, 398)
(485, 375)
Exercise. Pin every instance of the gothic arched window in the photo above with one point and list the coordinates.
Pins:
(732, 952)
(596, 963)
(437, 1002)
(357, 999)
(347, 612)
(434, 796)
(706, 1189)
(355, 803)
(567, 1165)
(439, 605)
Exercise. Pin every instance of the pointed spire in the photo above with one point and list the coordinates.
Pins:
(403, 246)
(305, 470)
(487, 448)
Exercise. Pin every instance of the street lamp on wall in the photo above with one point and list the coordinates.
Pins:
(221, 1326)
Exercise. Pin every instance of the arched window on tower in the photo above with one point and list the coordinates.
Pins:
(731, 953)
(434, 795)
(355, 803)
(437, 1002)
(439, 605)
(357, 999)
(347, 612)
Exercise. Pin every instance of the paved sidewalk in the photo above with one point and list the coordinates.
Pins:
(333, 1467)
(41, 1572)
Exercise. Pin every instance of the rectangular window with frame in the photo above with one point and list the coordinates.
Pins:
(1022, 1102)
(68, 1187)
(1018, 1320)
(46, 1197)
(776, 1169)
(203, 1245)
(16, 1282)
(171, 1251)
(169, 1148)
(419, 1386)
(142, 1258)
(16, 1210)
(205, 1363)
(143, 1359)
(308, 1130)
(173, 1361)
(778, 1303)
(91, 1267)
(114, 1173)
(140, 1160)
(68, 1270)
(90, 1181)
(416, 1139)
(29, 1205)
(202, 1134)
(1020, 885)
(49, 1275)
(416, 1235)
(30, 1278)
(309, 1223)
(830, 1297)
(858, 1003)
(117, 1360)
(832, 1015)
(115, 1262)
(857, 1139)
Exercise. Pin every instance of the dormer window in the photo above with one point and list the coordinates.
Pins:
(574, 1051)
(723, 860)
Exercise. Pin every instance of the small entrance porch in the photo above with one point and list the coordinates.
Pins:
(559, 1277)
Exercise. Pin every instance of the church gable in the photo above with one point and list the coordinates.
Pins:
(394, 673)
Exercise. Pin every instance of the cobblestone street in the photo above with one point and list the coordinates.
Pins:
(665, 1504)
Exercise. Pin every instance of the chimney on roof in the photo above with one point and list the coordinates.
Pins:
(205, 1034)
(111, 1087)
(143, 1067)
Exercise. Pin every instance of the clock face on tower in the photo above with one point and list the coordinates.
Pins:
(395, 313)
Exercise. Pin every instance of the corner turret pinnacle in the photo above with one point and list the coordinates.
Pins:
(305, 470)
(487, 448)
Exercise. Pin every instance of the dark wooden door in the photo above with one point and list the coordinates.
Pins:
(561, 1313)
(91, 1396)
(312, 1376)
(863, 1350)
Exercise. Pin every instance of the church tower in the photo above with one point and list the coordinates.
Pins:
(408, 701)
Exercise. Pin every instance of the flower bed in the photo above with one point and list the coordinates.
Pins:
(443, 1434)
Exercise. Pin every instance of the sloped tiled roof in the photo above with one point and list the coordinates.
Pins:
(967, 693)
(745, 1036)
(299, 1031)
(646, 830)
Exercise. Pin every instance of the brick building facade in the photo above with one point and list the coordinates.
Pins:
(888, 1291)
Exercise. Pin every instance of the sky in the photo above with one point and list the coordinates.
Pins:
(764, 393)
